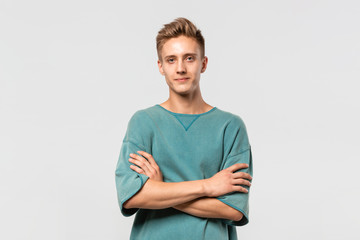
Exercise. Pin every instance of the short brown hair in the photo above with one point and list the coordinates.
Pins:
(179, 27)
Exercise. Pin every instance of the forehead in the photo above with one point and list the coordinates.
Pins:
(179, 46)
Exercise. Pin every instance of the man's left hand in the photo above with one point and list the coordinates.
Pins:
(146, 166)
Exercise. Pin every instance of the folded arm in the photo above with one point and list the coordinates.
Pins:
(158, 195)
(206, 207)
(193, 197)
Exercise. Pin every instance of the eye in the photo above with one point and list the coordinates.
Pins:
(171, 60)
(190, 58)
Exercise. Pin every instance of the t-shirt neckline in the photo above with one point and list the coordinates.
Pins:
(186, 114)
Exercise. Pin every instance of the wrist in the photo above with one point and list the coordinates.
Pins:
(206, 191)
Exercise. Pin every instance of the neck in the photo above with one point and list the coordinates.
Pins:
(188, 104)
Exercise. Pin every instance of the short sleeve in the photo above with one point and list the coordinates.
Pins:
(237, 150)
(129, 182)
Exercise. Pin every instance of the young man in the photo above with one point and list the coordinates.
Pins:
(185, 167)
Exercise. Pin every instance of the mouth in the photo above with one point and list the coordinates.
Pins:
(181, 79)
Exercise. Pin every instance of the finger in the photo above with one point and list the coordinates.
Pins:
(137, 169)
(149, 158)
(140, 162)
(242, 175)
(240, 189)
(237, 166)
(240, 181)
(140, 158)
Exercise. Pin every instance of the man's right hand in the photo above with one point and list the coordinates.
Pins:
(227, 181)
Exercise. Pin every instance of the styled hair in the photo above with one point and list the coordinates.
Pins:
(179, 27)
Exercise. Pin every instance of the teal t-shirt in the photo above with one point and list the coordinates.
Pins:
(186, 147)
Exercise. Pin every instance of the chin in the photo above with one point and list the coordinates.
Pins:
(181, 91)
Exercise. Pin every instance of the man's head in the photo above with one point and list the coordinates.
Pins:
(179, 27)
(181, 60)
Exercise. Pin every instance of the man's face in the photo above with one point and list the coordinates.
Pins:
(182, 64)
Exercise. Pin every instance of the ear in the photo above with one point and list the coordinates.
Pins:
(160, 67)
(204, 64)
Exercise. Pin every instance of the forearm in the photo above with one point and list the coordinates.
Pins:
(159, 195)
(209, 208)
(156, 194)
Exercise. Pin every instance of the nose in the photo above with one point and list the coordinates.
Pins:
(181, 69)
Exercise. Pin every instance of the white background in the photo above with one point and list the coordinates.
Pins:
(73, 72)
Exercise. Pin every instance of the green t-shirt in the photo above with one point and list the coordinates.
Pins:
(186, 147)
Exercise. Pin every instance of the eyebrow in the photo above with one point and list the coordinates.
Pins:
(173, 56)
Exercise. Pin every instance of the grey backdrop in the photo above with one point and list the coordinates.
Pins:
(73, 73)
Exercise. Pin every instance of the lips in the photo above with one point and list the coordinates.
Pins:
(181, 79)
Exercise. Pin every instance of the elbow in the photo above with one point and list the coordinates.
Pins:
(136, 201)
(128, 203)
(237, 216)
